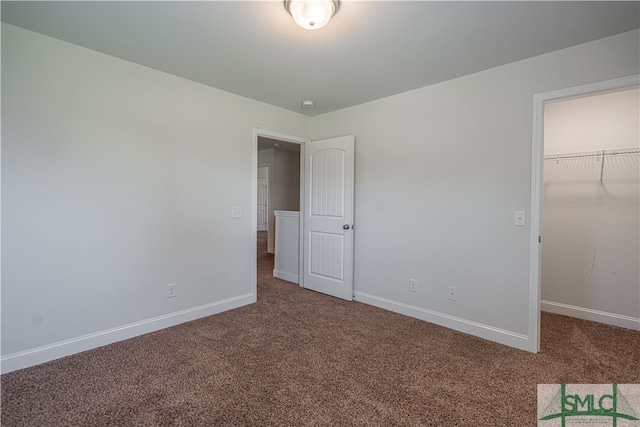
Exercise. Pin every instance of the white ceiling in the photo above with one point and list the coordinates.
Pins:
(370, 50)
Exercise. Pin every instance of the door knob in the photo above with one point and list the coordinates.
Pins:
(346, 226)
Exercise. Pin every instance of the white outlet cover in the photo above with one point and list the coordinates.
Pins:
(520, 218)
(236, 212)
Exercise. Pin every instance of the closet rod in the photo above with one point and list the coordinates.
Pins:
(601, 153)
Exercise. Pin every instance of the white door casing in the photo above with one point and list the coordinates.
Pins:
(328, 216)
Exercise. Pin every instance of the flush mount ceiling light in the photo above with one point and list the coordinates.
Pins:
(311, 14)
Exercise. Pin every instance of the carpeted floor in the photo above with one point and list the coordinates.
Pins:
(299, 358)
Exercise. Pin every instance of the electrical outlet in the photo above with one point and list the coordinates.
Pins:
(236, 212)
(452, 293)
(413, 285)
(171, 290)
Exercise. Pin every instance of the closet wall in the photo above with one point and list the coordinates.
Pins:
(591, 225)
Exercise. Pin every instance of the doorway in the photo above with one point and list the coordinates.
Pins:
(591, 208)
(325, 211)
(276, 160)
(538, 190)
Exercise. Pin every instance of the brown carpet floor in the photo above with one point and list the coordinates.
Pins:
(300, 358)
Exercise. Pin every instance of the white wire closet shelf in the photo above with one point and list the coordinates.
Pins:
(601, 154)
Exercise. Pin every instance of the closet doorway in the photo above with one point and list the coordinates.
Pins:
(591, 206)
(605, 276)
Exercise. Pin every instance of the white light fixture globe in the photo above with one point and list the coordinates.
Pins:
(311, 14)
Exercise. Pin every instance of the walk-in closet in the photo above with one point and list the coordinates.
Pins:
(591, 210)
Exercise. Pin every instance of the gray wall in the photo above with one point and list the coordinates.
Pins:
(439, 173)
(287, 180)
(118, 180)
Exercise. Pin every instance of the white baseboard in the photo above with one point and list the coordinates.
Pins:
(487, 332)
(285, 276)
(589, 314)
(25, 359)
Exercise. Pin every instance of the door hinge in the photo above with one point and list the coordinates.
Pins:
(539, 239)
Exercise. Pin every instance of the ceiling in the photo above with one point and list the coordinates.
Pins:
(369, 50)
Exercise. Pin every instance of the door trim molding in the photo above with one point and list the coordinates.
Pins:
(257, 132)
(537, 162)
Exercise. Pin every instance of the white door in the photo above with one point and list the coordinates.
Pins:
(328, 216)
(263, 192)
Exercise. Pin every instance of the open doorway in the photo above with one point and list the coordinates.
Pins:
(541, 101)
(325, 239)
(591, 206)
(276, 164)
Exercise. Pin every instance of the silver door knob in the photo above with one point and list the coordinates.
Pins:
(346, 226)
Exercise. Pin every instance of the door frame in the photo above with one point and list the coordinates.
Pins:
(537, 187)
(257, 132)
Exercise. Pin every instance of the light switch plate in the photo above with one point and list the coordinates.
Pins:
(520, 219)
(236, 212)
